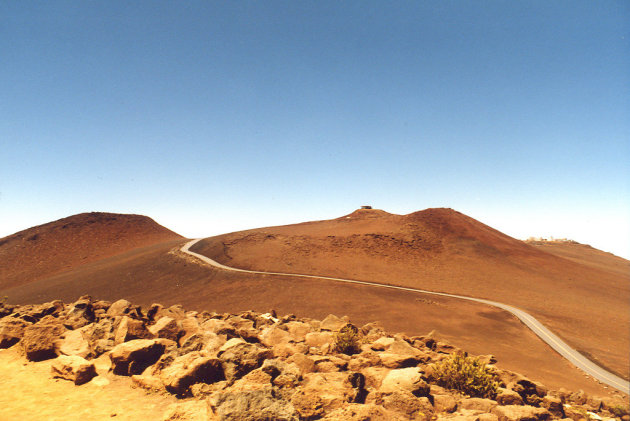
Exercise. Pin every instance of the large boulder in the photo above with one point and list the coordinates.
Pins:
(298, 330)
(73, 368)
(202, 340)
(11, 331)
(324, 392)
(100, 335)
(130, 329)
(135, 356)
(74, 342)
(400, 354)
(274, 335)
(53, 308)
(189, 369)
(40, 339)
(508, 397)
(409, 379)
(167, 328)
(554, 406)
(119, 308)
(80, 314)
(333, 323)
(319, 339)
(189, 326)
(239, 357)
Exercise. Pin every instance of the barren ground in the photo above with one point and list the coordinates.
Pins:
(29, 394)
(443, 250)
(585, 305)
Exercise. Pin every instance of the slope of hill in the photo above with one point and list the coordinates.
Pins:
(585, 254)
(159, 273)
(444, 250)
(44, 250)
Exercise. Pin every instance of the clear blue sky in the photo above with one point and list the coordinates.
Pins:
(217, 116)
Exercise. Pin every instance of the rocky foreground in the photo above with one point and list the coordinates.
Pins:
(253, 366)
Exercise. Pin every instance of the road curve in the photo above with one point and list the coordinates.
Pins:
(577, 359)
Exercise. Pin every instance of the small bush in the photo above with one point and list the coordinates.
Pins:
(347, 340)
(466, 374)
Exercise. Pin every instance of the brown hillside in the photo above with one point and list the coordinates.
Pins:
(585, 254)
(159, 273)
(444, 250)
(58, 246)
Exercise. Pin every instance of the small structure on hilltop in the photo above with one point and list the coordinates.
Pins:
(366, 207)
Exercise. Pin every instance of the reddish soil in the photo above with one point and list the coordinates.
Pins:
(586, 255)
(444, 250)
(61, 245)
(160, 273)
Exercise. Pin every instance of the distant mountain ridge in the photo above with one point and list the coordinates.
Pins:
(60, 245)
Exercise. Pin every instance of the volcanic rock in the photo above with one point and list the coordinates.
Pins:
(520, 413)
(190, 369)
(73, 368)
(134, 356)
(39, 339)
(11, 331)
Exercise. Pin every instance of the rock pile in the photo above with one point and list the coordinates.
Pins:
(253, 366)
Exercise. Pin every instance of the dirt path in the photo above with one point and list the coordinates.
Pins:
(29, 393)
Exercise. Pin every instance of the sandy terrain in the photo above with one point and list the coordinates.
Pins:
(29, 393)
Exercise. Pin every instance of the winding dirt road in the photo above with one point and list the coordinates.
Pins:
(538, 328)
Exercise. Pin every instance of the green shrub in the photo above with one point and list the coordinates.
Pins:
(347, 340)
(466, 374)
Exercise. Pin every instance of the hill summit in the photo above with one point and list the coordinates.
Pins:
(60, 245)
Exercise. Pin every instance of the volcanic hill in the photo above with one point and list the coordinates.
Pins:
(444, 250)
(422, 249)
(58, 246)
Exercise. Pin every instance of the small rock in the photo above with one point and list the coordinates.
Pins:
(409, 379)
(444, 403)
(73, 368)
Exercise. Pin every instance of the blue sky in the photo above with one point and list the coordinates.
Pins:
(216, 116)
